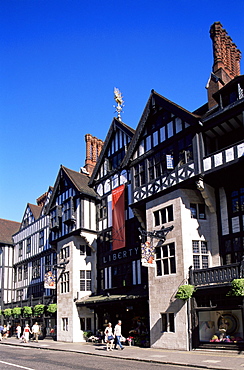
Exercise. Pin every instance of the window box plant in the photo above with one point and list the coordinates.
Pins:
(185, 292)
(237, 288)
(27, 311)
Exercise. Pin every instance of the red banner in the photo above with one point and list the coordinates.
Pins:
(118, 217)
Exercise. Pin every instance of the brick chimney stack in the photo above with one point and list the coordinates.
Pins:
(93, 150)
(226, 64)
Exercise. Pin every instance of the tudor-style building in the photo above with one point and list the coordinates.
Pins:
(122, 291)
(72, 214)
(7, 229)
(33, 258)
(178, 178)
(185, 172)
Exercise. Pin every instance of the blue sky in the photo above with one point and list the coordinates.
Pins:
(60, 61)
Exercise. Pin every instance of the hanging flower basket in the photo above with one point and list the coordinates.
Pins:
(27, 311)
(7, 312)
(52, 308)
(185, 292)
(38, 309)
(16, 312)
(237, 288)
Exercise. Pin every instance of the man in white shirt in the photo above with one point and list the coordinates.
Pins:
(35, 331)
(117, 334)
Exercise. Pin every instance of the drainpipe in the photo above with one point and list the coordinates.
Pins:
(189, 324)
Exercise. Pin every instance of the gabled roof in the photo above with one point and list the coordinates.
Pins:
(159, 100)
(35, 210)
(116, 123)
(79, 181)
(7, 229)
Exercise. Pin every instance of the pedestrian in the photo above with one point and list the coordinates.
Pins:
(1, 332)
(109, 337)
(35, 331)
(5, 332)
(18, 331)
(117, 334)
(27, 332)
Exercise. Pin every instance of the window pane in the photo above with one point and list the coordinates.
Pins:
(162, 134)
(201, 210)
(82, 285)
(171, 249)
(165, 250)
(164, 321)
(158, 252)
(193, 208)
(171, 322)
(195, 246)
(159, 268)
(204, 262)
(170, 213)
(163, 215)
(155, 138)
(148, 143)
(88, 285)
(204, 248)
(156, 218)
(172, 266)
(166, 267)
(196, 262)
(82, 274)
(170, 129)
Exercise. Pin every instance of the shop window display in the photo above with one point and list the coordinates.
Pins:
(221, 326)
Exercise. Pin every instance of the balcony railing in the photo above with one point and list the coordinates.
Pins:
(218, 275)
(223, 157)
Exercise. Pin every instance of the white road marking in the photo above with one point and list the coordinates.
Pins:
(21, 367)
(212, 361)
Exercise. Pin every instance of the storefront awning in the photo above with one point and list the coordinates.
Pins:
(103, 299)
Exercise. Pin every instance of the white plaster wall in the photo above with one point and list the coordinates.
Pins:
(162, 289)
(66, 302)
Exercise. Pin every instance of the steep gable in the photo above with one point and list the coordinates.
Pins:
(67, 179)
(117, 140)
(160, 112)
(31, 214)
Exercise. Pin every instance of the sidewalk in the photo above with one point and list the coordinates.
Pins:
(201, 359)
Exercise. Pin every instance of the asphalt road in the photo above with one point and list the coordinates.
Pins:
(12, 357)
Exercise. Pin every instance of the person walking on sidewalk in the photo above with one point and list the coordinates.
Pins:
(18, 331)
(35, 331)
(117, 334)
(109, 337)
(26, 333)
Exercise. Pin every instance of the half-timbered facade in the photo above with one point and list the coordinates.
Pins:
(122, 283)
(33, 258)
(7, 229)
(185, 174)
(72, 214)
